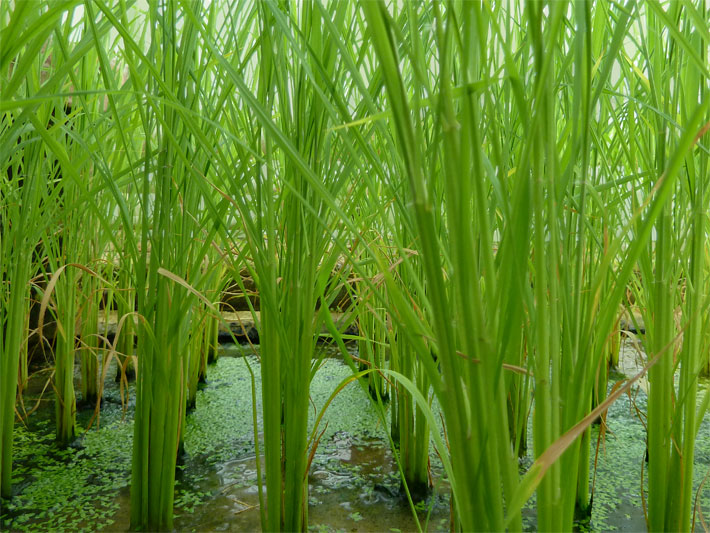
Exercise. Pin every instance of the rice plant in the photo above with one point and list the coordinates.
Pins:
(34, 157)
(673, 266)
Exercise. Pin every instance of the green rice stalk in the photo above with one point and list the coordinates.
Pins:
(167, 232)
(466, 421)
(26, 196)
(672, 416)
(21, 219)
(373, 344)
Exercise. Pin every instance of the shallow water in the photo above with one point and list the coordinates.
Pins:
(353, 480)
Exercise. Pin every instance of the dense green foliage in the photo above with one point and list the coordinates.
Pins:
(485, 180)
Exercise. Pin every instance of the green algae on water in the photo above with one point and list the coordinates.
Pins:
(79, 488)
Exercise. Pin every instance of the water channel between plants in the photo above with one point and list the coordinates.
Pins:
(354, 482)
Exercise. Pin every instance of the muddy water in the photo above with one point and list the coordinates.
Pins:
(353, 481)
(338, 501)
